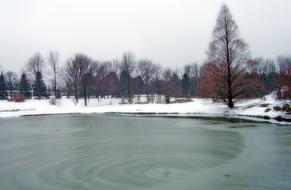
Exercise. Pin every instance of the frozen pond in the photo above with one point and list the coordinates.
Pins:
(82, 152)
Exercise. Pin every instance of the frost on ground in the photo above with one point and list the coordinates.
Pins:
(262, 108)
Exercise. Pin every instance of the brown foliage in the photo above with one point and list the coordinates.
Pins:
(18, 97)
(284, 81)
(212, 83)
(206, 83)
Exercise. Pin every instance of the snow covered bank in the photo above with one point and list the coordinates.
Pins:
(250, 109)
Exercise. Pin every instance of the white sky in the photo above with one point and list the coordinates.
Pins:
(170, 32)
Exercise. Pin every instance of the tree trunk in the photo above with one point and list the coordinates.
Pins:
(55, 83)
(76, 92)
(128, 89)
(85, 95)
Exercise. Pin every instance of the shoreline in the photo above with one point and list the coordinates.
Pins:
(198, 108)
(205, 116)
(234, 119)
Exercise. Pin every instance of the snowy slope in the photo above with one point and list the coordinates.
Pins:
(196, 107)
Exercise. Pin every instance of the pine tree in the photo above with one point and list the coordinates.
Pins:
(123, 85)
(185, 84)
(39, 88)
(3, 90)
(24, 86)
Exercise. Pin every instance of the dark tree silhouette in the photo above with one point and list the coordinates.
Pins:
(3, 90)
(39, 87)
(138, 85)
(185, 84)
(88, 69)
(24, 87)
(127, 67)
(157, 80)
(86, 82)
(123, 85)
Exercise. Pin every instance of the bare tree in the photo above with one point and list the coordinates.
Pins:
(127, 67)
(284, 63)
(115, 66)
(157, 82)
(229, 54)
(167, 88)
(191, 71)
(35, 64)
(35, 68)
(146, 70)
(284, 78)
(88, 69)
(73, 75)
(53, 59)
(80, 71)
(194, 76)
(260, 65)
(11, 81)
(101, 78)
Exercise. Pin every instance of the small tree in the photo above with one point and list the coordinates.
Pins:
(88, 69)
(3, 90)
(138, 86)
(146, 70)
(53, 62)
(24, 86)
(185, 84)
(127, 67)
(112, 83)
(11, 79)
(123, 91)
(86, 81)
(35, 64)
(193, 72)
(157, 80)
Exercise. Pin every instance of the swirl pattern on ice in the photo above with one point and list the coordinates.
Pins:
(89, 152)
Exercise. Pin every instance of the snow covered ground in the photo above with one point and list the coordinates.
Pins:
(198, 107)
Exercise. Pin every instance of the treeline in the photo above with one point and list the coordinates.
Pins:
(229, 74)
(81, 76)
(84, 77)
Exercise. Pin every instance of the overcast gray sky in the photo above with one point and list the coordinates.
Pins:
(171, 32)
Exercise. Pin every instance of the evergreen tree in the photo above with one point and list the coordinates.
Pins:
(24, 86)
(123, 85)
(138, 85)
(39, 88)
(3, 90)
(185, 84)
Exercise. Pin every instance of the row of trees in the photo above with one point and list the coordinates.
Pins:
(126, 77)
(84, 77)
(228, 75)
(31, 82)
